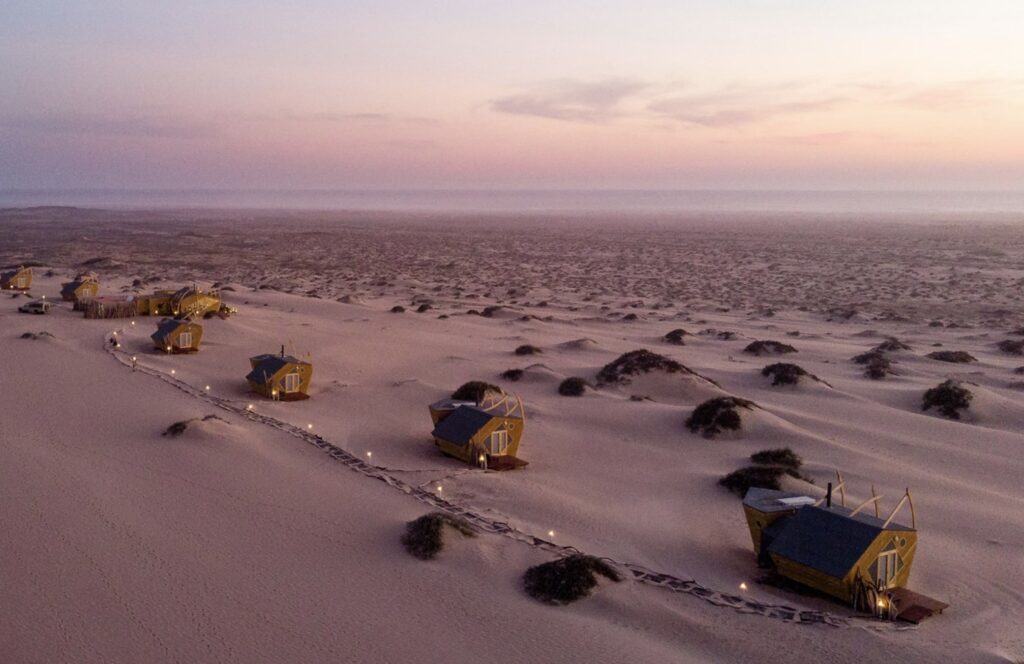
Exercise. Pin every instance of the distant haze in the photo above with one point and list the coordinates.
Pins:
(469, 95)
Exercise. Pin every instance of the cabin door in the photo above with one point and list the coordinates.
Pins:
(292, 382)
(185, 340)
(19, 283)
(497, 445)
(886, 571)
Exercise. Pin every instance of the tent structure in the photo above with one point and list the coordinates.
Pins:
(280, 377)
(487, 433)
(188, 301)
(177, 336)
(853, 556)
(19, 278)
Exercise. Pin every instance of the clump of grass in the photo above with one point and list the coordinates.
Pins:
(763, 477)
(783, 457)
(398, 309)
(424, 537)
(890, 345)
(527, 349)
(783, 373)
(423, 308)
(512, 374)
(955, 356)
(489, 312)
(1011, 346)
(768, 347)
(567, 579)
(637, 362)
(717, 415)
(676, 336)
(179, 428)
(949, 398)
(574, 386)
(876, 364)
(474, 391)
(176, 429)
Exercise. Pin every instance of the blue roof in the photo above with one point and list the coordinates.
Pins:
(265, 366)
(827, 540)
(462, 424)
(165, 327)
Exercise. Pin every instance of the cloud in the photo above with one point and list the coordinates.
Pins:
(572, 100)
(957, 95)
(134, 126)
(737, 107)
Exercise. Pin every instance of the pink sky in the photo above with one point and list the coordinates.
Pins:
(774, 94)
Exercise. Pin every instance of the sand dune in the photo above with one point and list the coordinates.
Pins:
(236, 542)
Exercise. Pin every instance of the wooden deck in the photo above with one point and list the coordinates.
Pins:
(914, 607)
(505, 463)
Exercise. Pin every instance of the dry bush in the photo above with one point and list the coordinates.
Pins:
(567, 579)
(717, 415)
(424, 537)
(573, 386)
(949, 398)
(768, 347)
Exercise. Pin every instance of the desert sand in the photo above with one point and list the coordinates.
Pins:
(240, 541)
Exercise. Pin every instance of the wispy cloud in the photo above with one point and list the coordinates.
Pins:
(134, 126)
(572, 100)
(738, 107)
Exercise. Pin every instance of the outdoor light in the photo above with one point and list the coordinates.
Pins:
(551, 533)
(309, 426)
(134, 358)
(249, 407)
(743, 585)
(881, 603)
(207, 388)
(440, 489)
(172, 372)
(369, 455)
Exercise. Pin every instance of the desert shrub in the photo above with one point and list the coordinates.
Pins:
(574, 386)
(176, 429)
(424, 537)
(637, 362)
(955, 356)
(512, 374)
(768, 347)
(489, 312)
(1012, 346)
(876, 364)
(630, 317)
(949, 398)
(423, 308)
(474, 390)
(716, 415)
(398, 309)
(783, 457)
(890, 345)
(566, 579)
(1019, 370)
(783, 373)
(676, 336)
(527, 349)
(762, 477)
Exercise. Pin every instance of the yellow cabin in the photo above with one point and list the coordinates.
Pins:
(280, 377)
(16, 279)
(854, 557)
(486, 434)
(84, 286)
(177, 336)
(188, 301)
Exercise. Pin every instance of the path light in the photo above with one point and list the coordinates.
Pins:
(440, 488)
(881, 603)
(172, 372)
(369, 455)
(743, 585)
(551, 533)
(134, 358)
(133, 323)
(309, 426)
(249, 407)
(207, 388)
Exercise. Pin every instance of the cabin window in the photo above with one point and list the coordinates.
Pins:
(498, 443)
(19, 282)
(185, 340)
(292, 382)
(886, 572)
